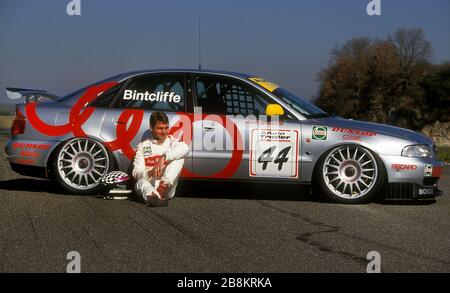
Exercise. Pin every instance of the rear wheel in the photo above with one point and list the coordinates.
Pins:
(350, 174)
(79, 165)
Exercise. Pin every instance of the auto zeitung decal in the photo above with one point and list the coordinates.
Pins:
(165, 97)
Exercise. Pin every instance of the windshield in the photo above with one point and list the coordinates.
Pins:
(307, 109)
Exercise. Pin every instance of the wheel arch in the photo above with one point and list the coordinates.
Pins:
(51, 157)
(361, 144)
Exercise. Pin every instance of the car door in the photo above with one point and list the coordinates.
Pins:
(126, 122)
(235, 139)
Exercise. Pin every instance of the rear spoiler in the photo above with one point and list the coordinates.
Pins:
(30, 95)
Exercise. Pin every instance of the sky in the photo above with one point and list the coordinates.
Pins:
(287, 42)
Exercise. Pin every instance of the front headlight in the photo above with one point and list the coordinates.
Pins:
(418, 151)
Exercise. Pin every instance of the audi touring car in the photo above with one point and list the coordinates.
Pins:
(238, 127)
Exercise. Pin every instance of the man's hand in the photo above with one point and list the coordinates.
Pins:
(158, 169)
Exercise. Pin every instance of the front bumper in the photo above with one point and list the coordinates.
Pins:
(407, 191)
(412, 178)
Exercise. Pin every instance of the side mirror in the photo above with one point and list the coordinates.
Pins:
(274, 109)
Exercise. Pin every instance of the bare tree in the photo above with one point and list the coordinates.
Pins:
(379, 80)
(412, 46)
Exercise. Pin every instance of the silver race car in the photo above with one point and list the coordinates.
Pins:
(238, 127)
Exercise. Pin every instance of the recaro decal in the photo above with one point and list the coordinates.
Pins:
(407, 167)
(166, 97)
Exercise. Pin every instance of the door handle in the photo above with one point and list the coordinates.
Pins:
(209, 128)
(119, 122)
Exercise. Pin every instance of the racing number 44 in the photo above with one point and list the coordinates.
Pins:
(266, 157)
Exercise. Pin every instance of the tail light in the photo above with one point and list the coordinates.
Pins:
(18, 125)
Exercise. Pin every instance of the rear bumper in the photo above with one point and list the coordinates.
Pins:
(29, 157)
(32, 171)
(29, 152)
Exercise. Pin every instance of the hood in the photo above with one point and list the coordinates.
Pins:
(384, 129)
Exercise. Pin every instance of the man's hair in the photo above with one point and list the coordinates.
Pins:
(158, 117)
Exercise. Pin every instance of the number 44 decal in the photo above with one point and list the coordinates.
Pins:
(266, 157)
(274, 153)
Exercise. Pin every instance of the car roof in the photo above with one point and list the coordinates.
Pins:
(221, 72)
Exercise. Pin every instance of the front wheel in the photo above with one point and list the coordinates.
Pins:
(350, 174)
(79, 165)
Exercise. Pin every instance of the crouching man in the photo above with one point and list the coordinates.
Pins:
(158, 163)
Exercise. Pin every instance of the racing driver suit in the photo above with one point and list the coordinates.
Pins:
(147, 155)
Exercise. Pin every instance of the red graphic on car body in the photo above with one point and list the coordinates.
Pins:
(79, 114)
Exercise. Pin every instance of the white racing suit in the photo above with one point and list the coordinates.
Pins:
(147, 154)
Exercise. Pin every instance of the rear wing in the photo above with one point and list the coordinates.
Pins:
(30, 95)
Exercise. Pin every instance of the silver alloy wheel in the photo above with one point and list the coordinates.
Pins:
(350, 171)
(82, 162)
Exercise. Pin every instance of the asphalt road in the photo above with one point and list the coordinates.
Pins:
(217, 228)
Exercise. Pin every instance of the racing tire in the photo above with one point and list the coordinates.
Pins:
(349, 174)
(79, 164)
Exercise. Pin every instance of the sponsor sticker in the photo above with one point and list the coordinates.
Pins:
(166, 97)
(274, 153)
(147, 151)
(319, 133)
(37, 146)
(25, 161)
(428, 170)
(351, 137)
(426, 191)
(353, 131)
(407, 167)
(270, 86)
(32, 154)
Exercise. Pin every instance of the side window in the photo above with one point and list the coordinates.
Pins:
(156, 92)
(104, 99)
(227, 96)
